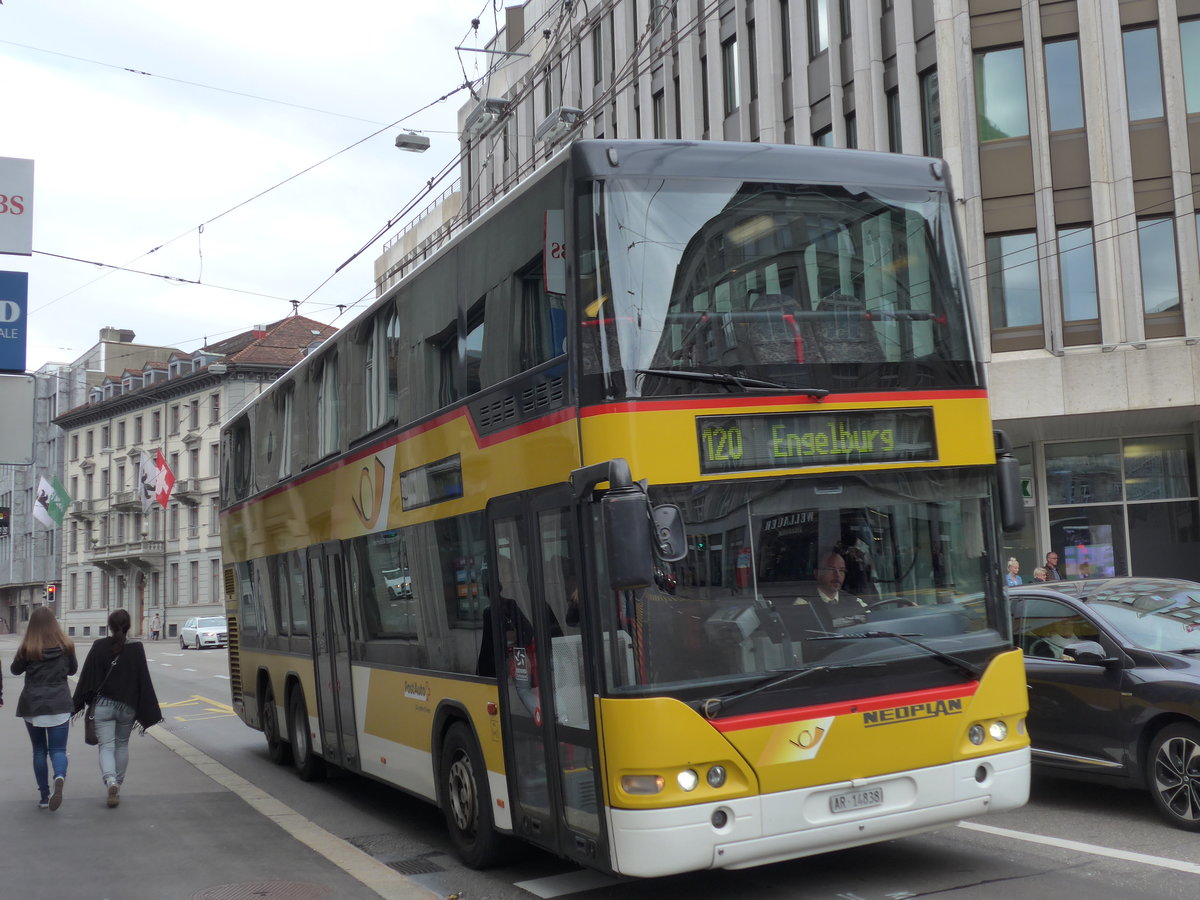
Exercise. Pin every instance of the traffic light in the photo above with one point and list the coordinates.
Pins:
(51, 591)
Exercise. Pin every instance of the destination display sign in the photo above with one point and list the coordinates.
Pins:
(802, 439)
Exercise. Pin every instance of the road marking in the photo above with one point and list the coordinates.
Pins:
(567, 883)
(168, 665)
(1161, 862)
(384, 881)
(203, 707)
(226, 677)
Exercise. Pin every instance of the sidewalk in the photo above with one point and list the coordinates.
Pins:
(187, 827)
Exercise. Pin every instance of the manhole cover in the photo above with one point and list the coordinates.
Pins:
(422, 865)
(264, 890)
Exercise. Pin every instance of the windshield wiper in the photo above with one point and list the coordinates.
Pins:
(961, 664)
(714, 706)
(740, 381)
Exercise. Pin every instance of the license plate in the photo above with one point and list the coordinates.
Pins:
(856, 800)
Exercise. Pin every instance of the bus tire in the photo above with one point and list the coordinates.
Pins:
(277, 748)
(309, 766)
(466, 801)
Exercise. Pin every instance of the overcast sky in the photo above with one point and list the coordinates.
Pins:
(127, 162)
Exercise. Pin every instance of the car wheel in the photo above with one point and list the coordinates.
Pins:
(277, 747)
(197, 642)
(466, 801)
(182, 643)
(309, 766)
(1175, 775)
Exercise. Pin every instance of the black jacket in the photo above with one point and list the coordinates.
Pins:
(46, 691)
(128, 682)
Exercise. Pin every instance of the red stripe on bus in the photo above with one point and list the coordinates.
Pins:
(869, 704)
(703, 407)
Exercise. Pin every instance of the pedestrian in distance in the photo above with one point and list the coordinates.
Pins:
(1039, 573)
(115, 675)
(155, 627)
(1052, 571)
(46, 657)
(1013, 578)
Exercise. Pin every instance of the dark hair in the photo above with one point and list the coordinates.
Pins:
(118, 627)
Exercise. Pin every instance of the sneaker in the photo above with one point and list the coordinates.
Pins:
(114, 795)
(44, 803)
(56, 797)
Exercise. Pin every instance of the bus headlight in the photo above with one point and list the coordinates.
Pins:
(642, 784)
(998, 731)
(688, 779)
(975, 734)
(716, 776)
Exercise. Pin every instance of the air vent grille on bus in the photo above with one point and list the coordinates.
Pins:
(543, 395)
(498, 412)
(235, 656)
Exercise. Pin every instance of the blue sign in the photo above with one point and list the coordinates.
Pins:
(14, 303)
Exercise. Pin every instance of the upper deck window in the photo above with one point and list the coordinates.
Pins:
(827, 286)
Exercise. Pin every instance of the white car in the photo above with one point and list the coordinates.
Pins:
(204, 631)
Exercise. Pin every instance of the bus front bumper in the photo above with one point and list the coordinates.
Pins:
(790, 824)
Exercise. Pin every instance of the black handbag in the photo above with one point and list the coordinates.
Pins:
(89, 717)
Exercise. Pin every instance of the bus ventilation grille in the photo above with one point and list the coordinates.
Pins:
(235, 661)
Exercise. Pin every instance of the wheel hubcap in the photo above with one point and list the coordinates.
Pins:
(1177, 777)
(461, 789)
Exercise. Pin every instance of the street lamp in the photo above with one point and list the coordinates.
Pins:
(411, 141)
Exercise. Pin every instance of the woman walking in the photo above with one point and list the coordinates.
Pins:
(116, 676)
(46, 657)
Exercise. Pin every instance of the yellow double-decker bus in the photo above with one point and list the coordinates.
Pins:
(652, 521)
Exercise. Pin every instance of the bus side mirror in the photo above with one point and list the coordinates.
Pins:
(670, 539)
(1008, 486)
(628, 539)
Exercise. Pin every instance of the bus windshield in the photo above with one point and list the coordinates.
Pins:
(832, 287)
(782, 573)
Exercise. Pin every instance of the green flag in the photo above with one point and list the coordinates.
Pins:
(51, 503)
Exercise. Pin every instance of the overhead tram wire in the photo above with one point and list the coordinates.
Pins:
(260, 194)
(197, 84)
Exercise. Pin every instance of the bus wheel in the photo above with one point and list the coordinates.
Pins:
(466, 801)
(309, 766)
(277, 747)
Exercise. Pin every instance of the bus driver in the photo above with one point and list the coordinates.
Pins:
(831, 608)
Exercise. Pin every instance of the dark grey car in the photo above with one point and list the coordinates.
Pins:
(1114, 684)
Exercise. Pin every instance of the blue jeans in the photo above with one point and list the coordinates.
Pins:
(114, 723)
(52, 743)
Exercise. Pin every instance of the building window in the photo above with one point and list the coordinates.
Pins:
(105, 437)
(1189, 39)
(174, 412)
(214, 459)
(823, 138)
(194, 579)
(74, 446)
(844, 11)
(893, 120)
(1143, 75)
(214, 579)
(704, 94)
(1014, 294)
(1000, 94)
(214, 409)
(1160, 274)
(729, 76)
(818, 28)
(659, 114)
(852, 130)
(931, 114)
(1064, 89)
(752, 58)
(1077, 275)
(1124, 507)
(597, 55)
(156, 425)
(137, 430)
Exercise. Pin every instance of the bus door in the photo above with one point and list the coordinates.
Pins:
(545, 684)
(331, 655)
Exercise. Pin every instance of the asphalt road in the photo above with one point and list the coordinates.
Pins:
(1073, 840)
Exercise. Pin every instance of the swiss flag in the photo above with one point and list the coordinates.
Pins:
(166, 481)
